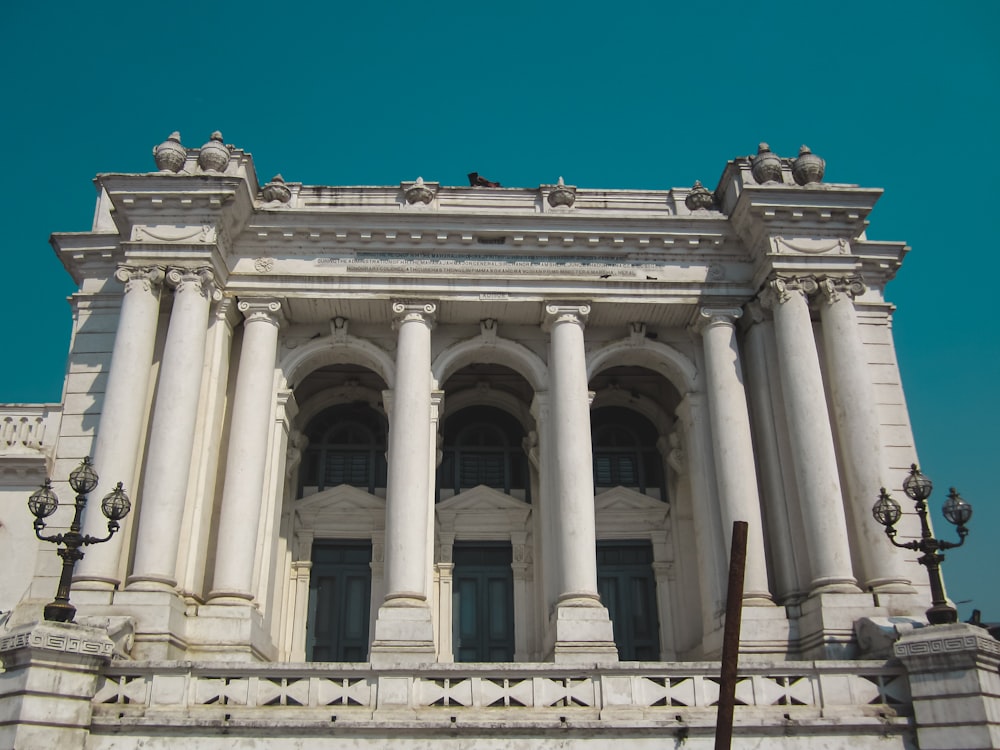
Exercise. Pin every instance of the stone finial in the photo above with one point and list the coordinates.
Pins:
(766, 165)
(562, 195)
(419, 192)
(699, 197)
(170, 155)
(214, 156)
(808, 168)
(276, 190)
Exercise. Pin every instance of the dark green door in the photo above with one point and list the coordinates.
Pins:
(628, 589)
(339, 599)
(483, 602)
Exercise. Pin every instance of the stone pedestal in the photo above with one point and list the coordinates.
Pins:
(48, 680)
(955, 684)
(583, 635)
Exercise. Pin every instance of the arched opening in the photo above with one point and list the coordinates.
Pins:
(483, 445)
(346, 444)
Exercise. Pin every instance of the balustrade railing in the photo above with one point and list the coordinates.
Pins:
(23, 428)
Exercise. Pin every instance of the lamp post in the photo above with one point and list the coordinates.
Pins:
(958, 512)
(43, 503)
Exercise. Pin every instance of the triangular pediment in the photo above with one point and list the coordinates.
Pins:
(482, 497)
(341, 500)
(621, 498)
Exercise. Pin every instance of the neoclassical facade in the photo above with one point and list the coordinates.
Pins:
(420, 425)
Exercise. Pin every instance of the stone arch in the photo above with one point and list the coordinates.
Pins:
(490, 397)
(498, 351)
(343, 394)
(648, 407)
(302, 360)
(658, 357)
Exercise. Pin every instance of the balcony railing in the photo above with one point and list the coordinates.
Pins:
(25, 428)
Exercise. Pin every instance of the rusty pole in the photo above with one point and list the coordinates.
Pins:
(731, 637)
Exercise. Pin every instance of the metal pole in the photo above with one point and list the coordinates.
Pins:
(731, 637)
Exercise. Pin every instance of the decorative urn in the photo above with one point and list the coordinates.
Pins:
(214, 156)
(562, 195)
(419, 192)
(276, 190)
(808, 168)
(766, 165)
(699, 197)
(170, 155)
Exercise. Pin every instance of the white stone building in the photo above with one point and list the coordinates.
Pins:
(463, 463)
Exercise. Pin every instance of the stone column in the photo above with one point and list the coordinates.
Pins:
(582, 627)
(732, 445)
(243, 491)
(858, 429)
(814, 457)
(775, 485)
(404, 631)
(168, 462)
(116, 449)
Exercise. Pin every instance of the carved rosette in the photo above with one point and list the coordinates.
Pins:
(766, 165)
(201, 280)
(170, 155)
(146, 278)
(214, 155)
(808, 168)
(276, 190)
(419, 192)
(562, 195)
(700, 198)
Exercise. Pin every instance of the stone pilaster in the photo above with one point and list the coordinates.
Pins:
(815, 459)
(404, 631)
(48, 678)
(116, 448)
(582, 627)
(954, 675)
(732, 445)
(164, 489)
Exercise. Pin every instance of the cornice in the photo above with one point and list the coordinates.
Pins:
(87, 254)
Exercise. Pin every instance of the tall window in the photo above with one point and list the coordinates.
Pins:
(347, 445)
(625, 450)
(482, 445)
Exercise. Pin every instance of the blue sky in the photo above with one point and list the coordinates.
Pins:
(639, 95)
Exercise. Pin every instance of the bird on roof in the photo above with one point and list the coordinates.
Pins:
(477, 180)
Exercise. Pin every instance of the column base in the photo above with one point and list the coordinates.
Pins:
(229, 632)
(582, 634)
(404, 635)
(823, 624)
(160, 621)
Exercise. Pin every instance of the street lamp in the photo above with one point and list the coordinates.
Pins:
(958, 512)
(43, 503)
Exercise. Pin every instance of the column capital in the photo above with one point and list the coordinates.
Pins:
(709, 317)
(831, 289)
(147, 278)
(263, 309)
(779, 290)
(565, 312)
(201, 280)
(404, 311)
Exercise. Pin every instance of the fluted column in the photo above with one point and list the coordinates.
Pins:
(403, 630)
(814, 456)
(578, 634)
(119, 435)
(732, 445)
(168, 462)
(858, 429)
(243, 491)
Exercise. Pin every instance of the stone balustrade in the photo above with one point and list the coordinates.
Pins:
(23, 428)
(811, 698)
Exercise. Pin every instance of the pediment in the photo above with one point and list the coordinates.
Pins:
(341, 500)
(482, 506)
(618, 499)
